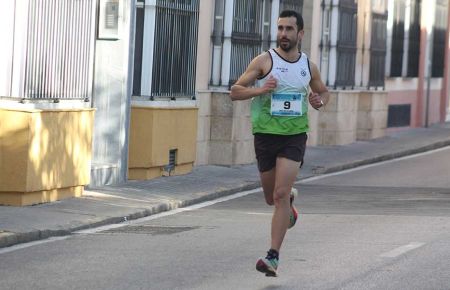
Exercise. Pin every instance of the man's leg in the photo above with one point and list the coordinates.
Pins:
(285, 175)
(268, 184)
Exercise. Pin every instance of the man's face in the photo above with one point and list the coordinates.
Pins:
(288, 35)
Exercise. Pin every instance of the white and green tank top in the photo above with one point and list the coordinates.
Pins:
(284, 111)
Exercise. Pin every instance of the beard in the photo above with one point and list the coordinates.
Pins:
(286, 44)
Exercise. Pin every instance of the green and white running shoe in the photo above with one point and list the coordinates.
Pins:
(294, 193)
(267, 265)
(294, 212)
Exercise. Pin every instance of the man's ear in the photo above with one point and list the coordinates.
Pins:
(301, 33)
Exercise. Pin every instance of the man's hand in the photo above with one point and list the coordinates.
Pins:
(270, 85)
(315, 100)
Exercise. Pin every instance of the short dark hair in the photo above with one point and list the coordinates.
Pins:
(292, 13)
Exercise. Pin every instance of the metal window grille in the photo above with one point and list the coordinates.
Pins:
(398, 36)
(296, 5)
(439, 31)
(378, 50)
(346, 45)
(138, 48)
(175, 48)
(414, 40)
(246, 36)
(59, 57)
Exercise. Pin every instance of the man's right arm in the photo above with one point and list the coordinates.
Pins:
(242, 89)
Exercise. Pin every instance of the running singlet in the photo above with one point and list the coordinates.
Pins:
(284, 112)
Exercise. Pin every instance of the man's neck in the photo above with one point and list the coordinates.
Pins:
(291, 55)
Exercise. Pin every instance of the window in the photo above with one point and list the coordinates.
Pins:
(59, 59)
(249, 19)
(346, 46)
(175, 48)
(138, 48)
(378, 50)
(439, 30)
(296, 5)
(398, 36)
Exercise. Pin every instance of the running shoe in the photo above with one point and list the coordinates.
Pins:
(294, 212)
(293, 217)
(267, 265)
(294, 193)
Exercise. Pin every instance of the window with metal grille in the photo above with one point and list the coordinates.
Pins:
(246, 36)
(414, 40)
(398, 37)
(138, 47)
(378, 50)
(296, 5)
(58, 49)
(439, 31)
(175, 48)
(346, 46)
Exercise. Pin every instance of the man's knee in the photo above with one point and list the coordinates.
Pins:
(281, 194)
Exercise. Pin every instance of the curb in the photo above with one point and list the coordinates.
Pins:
(8, 239)
(381, 158)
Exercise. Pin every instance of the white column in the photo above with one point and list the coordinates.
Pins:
(334, 32)
(406, 40)
(228, 28)
(390, 26)
(428, 19)
(148, 44)
(20, 48)
(216, 72)
(6, 49)
(274, 20)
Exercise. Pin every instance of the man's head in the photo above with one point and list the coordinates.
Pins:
(290, 30)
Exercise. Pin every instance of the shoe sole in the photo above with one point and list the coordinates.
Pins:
(263, 268)
(294, 193)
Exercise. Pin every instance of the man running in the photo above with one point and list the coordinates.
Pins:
(280, 122)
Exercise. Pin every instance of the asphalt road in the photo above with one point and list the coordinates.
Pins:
(381, 227)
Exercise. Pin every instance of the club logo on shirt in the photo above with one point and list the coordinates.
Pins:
(303, 73)
(282, 69)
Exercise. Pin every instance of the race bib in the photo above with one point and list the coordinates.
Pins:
(287, 104)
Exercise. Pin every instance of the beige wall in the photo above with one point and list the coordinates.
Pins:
(153, 133)
(231, 132)
(44, 154)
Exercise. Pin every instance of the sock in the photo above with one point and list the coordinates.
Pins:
(272, 254)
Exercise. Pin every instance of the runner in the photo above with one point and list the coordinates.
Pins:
(280, 122)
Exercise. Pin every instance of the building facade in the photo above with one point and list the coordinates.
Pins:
(111, 90)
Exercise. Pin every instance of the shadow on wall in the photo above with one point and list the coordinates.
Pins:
(44, 155)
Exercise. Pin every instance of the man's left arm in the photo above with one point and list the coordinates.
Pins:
(319, 96)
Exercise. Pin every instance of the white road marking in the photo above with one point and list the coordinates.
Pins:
(31, 244)
(208, 203)
(314, 178)
(258, 213)
(171, 212)
(141, 220)
(402, 250)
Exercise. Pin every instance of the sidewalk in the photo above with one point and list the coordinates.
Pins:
(136, 199)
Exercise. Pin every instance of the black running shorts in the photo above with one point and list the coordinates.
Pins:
(269, 146)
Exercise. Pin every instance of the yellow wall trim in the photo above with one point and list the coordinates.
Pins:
(36, 197)
(44, 150)
(154, 132)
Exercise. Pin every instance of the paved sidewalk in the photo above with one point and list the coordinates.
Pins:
(136, 199)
